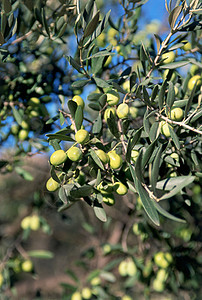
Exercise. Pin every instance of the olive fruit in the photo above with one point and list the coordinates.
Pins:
(86, 293)
(79, 101)
(120, 188)
(194, 80)
(112, 97)
(134, 155)
(168, 57)
(126, 86)
(27, 265)
(24, 125)
(115, 160)
(176, 114)
(74, 153)
(133, 112)
(122, 111)
(186, 46)
(58, 157)
(108, 111)
(34, 222)
(82, 136)
(158, 285)
(76, 296)
(105, 188)
(165, 128)
(162, 259)
(102, 156)
(34, 101)
(23, 134)
(52, 185)
(14, 129)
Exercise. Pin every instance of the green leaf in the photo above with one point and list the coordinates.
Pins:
(147, 203)
(170, 183)
(92, 25)
(94, 106)
(18, 117)
(101, 83)
(138, 167)
(74, 64)
(72, 107)
(24, 174)
(44, 21)
(60, 137)
(174, 138)
(154, 92)
(162, 94)
(62, 195)
(148, 153)
(154, 131)
(80, 83)
(174, 15)
(103, 100)
(79, 117)
(112, 124)
(99, 212)
(55, 144)
(132, 142)
(167, 214)
(61, 31)
(188, 105)
(41, 254)
(83, 191)
(101, 26)
(155, 168)
(174, 65)
(171, 95)
(196, 116)
(97, 126)
(54, 175)
(62, 119)
(180, 184)
(96, 159)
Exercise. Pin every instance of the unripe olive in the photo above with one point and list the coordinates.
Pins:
(27, 265)
(165, 128)
(113, 97)
(76, 296)
(126, 85)
(78, 100)
(105, 188)
(102, 156)
(115, 160)
(58, 157)
(131, 268)
(86, 293)
(34, 222)
(123, 268)
(34, 101)
(82, 136)
(194, 80)
(24, 125)
(52, 185)
(23, 134)
(133, 112)
(134, 155)
(108, 111)
(108, 61)
(168, 57)
(122, 111)
(194, 70)
(126, 297)
(158, 285)
(1, 280)
(25, 223)
(187, 46)
(74, 153)
(14, 129)
(176, 114)
(120, 188)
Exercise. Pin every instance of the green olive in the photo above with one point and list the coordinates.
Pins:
(120, 188)
(82, 136)
(52, 185)
(74, 154)
(102, 156)
(115, 160)
(122, 111)
(58, 157)
(112, 97)
(78, 100)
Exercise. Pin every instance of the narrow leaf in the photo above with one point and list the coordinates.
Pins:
(99, 212)
(147, 203)
(155, 168)
(132, 142)
(78, 117)
(149, 151)
(96, 159)
(167, 214)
